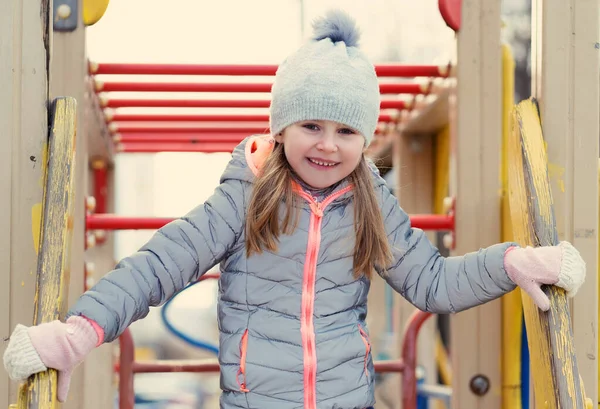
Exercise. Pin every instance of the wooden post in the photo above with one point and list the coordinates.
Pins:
(554, 365)
(99, 388)
(565, 66)
(476, 144)
(67, 77)
(410, 150)
(415, 162)
(54, 259)
(92, 382)
(24, 55)
(97, 369)
(414, 166)
(512, 308)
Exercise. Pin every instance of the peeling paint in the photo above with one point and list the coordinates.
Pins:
(557, 174)
(36, 225)
(52, 230)
(554, 367)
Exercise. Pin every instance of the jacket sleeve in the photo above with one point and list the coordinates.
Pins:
(178, 253)
(435, 283)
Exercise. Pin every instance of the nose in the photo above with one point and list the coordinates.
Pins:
(328, 142)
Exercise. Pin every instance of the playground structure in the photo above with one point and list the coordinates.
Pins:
(444, 139)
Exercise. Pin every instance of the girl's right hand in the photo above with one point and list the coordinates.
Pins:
(56, 345)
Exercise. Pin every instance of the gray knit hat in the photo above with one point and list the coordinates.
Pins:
(328, 78)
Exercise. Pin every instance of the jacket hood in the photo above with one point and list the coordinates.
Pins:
(250, 155)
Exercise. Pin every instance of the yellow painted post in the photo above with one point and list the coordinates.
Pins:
(54, 256)
(555, 372)
(512, 309)
(441, 177)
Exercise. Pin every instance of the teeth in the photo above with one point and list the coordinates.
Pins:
(322, 163)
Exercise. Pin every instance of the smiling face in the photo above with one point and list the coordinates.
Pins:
(321, 152)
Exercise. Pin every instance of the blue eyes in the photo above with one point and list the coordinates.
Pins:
(315, 127)
(311, 127)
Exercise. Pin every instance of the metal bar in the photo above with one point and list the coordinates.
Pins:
(383, 70)
(389, 366)
(128, 86)
(120, 117)
(125, 366)
(125, 130)
(164, 366)
(409, 357)
(115, 222)
(100, 184)
(433, 221)
(112, 222)
(182, 141)
(211, 365)
(246, 130)
(441, 392)
(202, 147)
(211, 103)
(179, 138)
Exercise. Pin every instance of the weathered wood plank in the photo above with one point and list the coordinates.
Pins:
(557, 383)
(24, 56)
(54, 257)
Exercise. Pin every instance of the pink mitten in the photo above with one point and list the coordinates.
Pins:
(529, 268)
(57, 345)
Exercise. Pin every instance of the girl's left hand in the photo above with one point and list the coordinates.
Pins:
(530, 268)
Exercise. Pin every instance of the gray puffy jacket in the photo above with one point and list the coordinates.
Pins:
(292, 324)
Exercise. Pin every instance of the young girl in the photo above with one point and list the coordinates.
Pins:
(300, 224)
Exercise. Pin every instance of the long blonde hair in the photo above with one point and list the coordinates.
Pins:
(274, 183)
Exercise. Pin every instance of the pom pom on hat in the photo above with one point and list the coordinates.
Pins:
(337, 26)
(328, 78)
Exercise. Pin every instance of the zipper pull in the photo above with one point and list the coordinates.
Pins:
(316, 209)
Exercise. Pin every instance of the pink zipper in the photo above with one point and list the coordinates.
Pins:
(365, 339)
(242, 368)
(307, 329)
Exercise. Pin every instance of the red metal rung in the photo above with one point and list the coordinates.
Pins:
(202, 147)
(199, 130)
(409, 358)
(110, 86)
(246, 130)
(99, 168)
(383, 70)
(210, 103)
(119, 117)
(184, 103)
(187, 140)
(179, 138)
(164, 366)
(432, 221)
(207, 366)
(114, 222)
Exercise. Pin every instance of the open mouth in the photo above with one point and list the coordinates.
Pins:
(321, 163)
